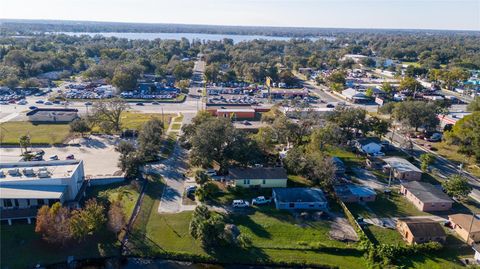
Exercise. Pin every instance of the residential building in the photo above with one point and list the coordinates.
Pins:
(258, 177)
(402, 169)
(420, 230)
(52, 115)
(425, 196)
(299, 198)
(351, 193)
(26, 186)
(369, 145)
(466, 226)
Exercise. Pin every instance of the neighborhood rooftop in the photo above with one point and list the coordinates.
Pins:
(426, 192)
(257, 173)
(401, 164)
(465, 221)
(424, 227)
(305, 195)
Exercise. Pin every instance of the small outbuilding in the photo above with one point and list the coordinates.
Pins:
(402, 169)
(258, 177)
(299, 198)
(420, 230)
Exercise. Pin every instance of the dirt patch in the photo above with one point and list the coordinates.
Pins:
(341, 230)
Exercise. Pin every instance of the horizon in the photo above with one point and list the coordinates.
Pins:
(463, 15)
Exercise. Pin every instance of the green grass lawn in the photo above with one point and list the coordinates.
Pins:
(415, 64)
(298, 181)
(383, 235)
(134, 120)
(348, 157)
(393, 205)
(178, 119)
(126, 193)
(39, 133)
(176, 126)
(23, 248)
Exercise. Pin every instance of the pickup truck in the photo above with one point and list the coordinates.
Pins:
(261, 200)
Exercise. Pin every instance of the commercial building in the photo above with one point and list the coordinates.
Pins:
(402, 169)
(299, 198)
(420, 230)
(425, 196)
(258, 177)
(26, 186)
(466, 226)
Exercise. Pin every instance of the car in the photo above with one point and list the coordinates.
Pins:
(39, 101)
(57, 102)
(240, 203)
(53, 158)
(23, 102)
(261, 200)
(70, 157)
(88, 103)
(436, 137)
(11, 102)
(39, 152)
(48, 103)
(211, 172)
(32, 107)
(155, 103)
(190, 190)
(330, 105)
(139, 104)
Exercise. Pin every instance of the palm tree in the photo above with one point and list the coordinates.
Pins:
(24, 143)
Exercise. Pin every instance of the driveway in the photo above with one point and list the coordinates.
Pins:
(368, 179)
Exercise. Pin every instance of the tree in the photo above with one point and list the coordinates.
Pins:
(183, 85)
(116, 217)
(129, 160)
(330, 134)
(426, 160)
(53, 223)
(388, 88)
(457, 186)
(201, 177)
(80, 126)
(474, 106)
(150, 139)
(87, 220)
(416, 114)
(466, 134)
(410, 84)
(109, 112)
(24, 142)
(125, 77)
(206, 191)
(287, 77)
(207, 226)
(336, 80)
(211, 72)
(350, 120)
(378, 126)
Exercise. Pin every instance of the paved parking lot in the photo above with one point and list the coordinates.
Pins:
(98, 154)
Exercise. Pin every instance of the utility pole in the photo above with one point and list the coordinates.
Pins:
(470, 229)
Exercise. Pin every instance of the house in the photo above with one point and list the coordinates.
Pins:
(26, 186)
(425, 196)
(52, 115)
(369, 145)
(420, 230)
(355, 193)
(355, 96)
(402, 169)
(299, 198)
(466, 226)
(339, 165)
(262, 177)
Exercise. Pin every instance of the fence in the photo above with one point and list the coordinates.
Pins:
(97, 181)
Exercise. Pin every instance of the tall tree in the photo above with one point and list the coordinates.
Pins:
(109, 112)
(150, 139)
(457, 186)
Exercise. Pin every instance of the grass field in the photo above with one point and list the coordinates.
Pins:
(176, 126)
(134, 120)
(39, 133)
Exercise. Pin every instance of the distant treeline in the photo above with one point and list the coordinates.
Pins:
(28, 27)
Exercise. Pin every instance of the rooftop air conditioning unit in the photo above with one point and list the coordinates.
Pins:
(13, 172)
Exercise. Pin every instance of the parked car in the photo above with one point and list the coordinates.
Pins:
(330, 105)
(53, 158)
(32, 107)
(40, 152)
(48, 103)
(240, 203)
(436, 137)
(155, 103)
(139, 104)
(88, 103)
(23, 102)
(39, 101)
(261, 200)
(70, 157)
(211, 172)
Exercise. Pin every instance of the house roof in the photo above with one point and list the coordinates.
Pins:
(356, 190)
(304, 195)
(426, 192)
(424, 227)
(257, 173)
(401, 165)
(368, 140)
(464, 221)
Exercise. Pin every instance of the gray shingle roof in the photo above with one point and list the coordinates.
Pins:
(426, 192)
(305, 195)
(257, 173)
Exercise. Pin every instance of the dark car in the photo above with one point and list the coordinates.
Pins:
(155, 103)
(88, 103)
(70, 157)
(330, 106)
(32, 107)
(139, 104)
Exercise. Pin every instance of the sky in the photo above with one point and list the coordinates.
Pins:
(396, 14)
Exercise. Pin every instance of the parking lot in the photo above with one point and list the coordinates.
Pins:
(98, 154)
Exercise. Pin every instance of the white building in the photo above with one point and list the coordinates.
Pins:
(26, 186)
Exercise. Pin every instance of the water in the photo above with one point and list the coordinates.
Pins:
(189, 36)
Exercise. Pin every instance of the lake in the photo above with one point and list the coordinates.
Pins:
(189, 36)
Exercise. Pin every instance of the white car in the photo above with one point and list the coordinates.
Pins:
(240, 203)
(261, 200)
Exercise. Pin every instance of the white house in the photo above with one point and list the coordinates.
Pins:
(370, 145)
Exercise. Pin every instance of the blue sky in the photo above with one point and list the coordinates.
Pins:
(405, 14)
